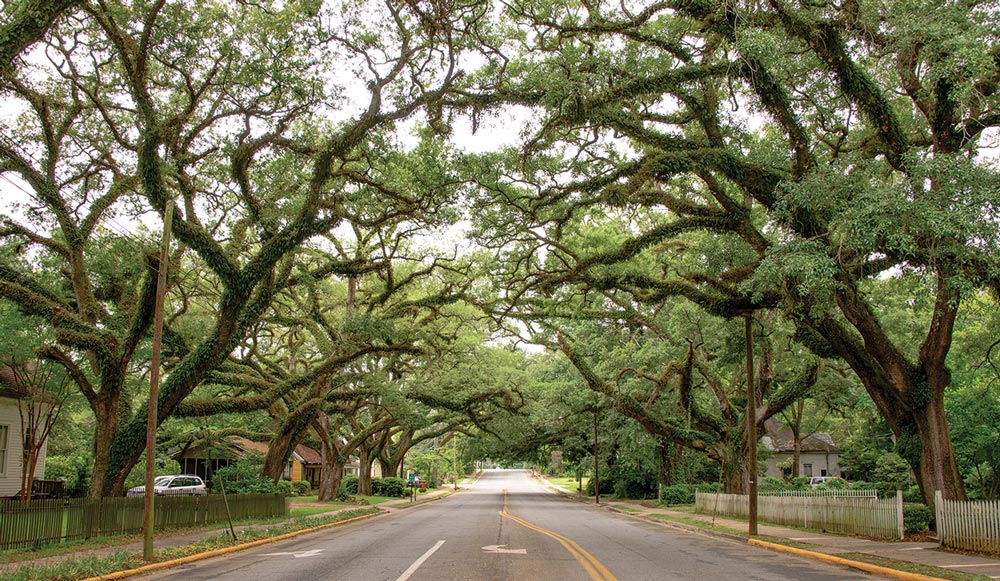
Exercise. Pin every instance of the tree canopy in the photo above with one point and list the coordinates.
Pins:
(822, 168)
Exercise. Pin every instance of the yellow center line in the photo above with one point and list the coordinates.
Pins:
(594, 568)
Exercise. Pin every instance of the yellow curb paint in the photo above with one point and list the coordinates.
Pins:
(868, 567)
(594, 568)
(214, 553)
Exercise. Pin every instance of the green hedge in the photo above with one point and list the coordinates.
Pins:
(349, 485)
(388, 486)
(917, 518)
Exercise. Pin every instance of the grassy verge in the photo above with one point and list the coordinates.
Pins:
(698, 523)
(297, 511)
(570, 483)
(16, 556)
(91, 565)
(729, 530)
(377, 499)
(627, 509)
(913, 567)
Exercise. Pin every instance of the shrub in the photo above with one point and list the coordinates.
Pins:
(284, 487)
(243, 477)
(892, 470)
(74, 470)
(800, 482)
(388, 486)
(300, 487)
(349, 485)
(677, 494)
(607, 487)
(912, 494)
(769, 483)
(917, 518)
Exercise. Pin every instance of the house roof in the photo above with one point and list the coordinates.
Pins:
(238, 447)
(309, 455)
(778, 438)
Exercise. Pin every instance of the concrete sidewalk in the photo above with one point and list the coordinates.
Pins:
(170, 539)
(924, 553)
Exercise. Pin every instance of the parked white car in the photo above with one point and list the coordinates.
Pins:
(174, 485)
(815, 481)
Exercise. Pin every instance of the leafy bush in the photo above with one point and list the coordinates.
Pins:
(300, 487)
(917, 518)
(893, 471)
(800, 482)
(769, 483)
(912, 494)
(74, 470)
(284, 487)
(677, 494)
(388, 486)
(243, 477)
(835, 484)
(349, 485)
(607, 487)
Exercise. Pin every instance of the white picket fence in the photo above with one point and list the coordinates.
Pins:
(972, 526)
(847, 512)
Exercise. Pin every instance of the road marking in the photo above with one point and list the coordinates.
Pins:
(296, 554)
(594, 568)
(416, 564)
(914, 549)
(500, 549)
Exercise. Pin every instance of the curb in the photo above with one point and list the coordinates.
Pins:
(422, 501)
(867, 567)
(225, 550)
(683, 526)
(860, 565)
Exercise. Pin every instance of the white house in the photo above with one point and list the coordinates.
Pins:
(10, 445)
(819, 455)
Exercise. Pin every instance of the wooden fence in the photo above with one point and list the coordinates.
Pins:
(47, 522)
(972, 526)
(847, 512)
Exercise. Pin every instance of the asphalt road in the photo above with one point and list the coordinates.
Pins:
(505, 526)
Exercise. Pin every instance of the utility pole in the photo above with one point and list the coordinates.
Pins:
(597, 480)
(750, 462)
(154, 383)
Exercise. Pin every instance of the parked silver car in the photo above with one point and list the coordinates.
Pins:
(175, 485)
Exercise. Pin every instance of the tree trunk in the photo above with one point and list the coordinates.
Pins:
(106, 416)
(910, 397)
(935, 465)
(364, 471)
(330, 477)
(386, 467)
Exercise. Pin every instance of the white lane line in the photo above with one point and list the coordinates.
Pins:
(416, 564)
(913, 549)
(967, 565)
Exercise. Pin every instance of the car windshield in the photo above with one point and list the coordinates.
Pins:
(161, 481)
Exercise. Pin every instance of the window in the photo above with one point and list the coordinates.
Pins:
(4, 431)
(807, 469)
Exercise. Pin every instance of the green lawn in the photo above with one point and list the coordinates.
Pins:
(311, 510)
(566, 482)
(377, 499)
